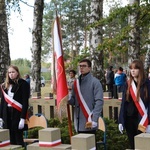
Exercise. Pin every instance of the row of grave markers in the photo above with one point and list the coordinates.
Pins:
(50, 139)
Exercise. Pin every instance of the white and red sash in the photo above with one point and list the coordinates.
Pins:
(85, 109)
(11, 101)
(141, 108)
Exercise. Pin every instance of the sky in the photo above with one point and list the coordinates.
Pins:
(20, 36)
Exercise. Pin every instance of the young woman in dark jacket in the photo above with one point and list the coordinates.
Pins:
(14, 104)
(135, 107)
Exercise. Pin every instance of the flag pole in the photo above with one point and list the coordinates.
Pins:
(68, 107)
(69, 122)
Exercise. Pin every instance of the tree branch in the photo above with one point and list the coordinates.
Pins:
(26, 3)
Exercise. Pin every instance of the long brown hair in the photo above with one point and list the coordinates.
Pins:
(137, 64)
(6, 83)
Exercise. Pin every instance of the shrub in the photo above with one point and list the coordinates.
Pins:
(115, 140)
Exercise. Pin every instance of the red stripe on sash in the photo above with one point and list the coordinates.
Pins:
(17, 107)
(9, 101)
(137, 104)
(80, 102)
(12, 104)
(146, 122)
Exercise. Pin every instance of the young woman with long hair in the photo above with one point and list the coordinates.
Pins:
(14, 105)
(134, 114)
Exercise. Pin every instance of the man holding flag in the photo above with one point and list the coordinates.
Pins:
(87, 98)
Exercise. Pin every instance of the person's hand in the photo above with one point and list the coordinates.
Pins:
(120, 128)
(21, 123)
(69, 88)
(1, 123)
(148, 129)
(90, 125)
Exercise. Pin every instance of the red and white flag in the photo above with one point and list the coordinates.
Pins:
(58, 76)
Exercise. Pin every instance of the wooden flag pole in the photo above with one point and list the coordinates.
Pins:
(69, 122)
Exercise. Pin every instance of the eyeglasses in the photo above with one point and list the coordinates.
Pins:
(83, 66)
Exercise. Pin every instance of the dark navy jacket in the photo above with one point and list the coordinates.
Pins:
(124, 104)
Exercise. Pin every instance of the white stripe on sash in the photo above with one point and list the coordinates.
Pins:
(141, 104)
(11, 101)
(83, 102)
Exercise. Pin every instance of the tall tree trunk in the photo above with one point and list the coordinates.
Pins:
(147, 57)
(36, 45)
(134, 40)
(4, 44)
(96, 39)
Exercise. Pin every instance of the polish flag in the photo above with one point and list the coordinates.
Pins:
(59, 81)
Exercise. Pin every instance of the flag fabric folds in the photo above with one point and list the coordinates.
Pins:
(58, 74)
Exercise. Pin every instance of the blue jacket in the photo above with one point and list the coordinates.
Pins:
(125, 104)
(120, 79)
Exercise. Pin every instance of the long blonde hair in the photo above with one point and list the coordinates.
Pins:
(7, 80)
(137, 64)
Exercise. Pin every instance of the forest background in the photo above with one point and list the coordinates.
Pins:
(113, 39)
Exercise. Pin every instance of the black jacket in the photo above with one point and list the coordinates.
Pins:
(21, 95)
(110, 77)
